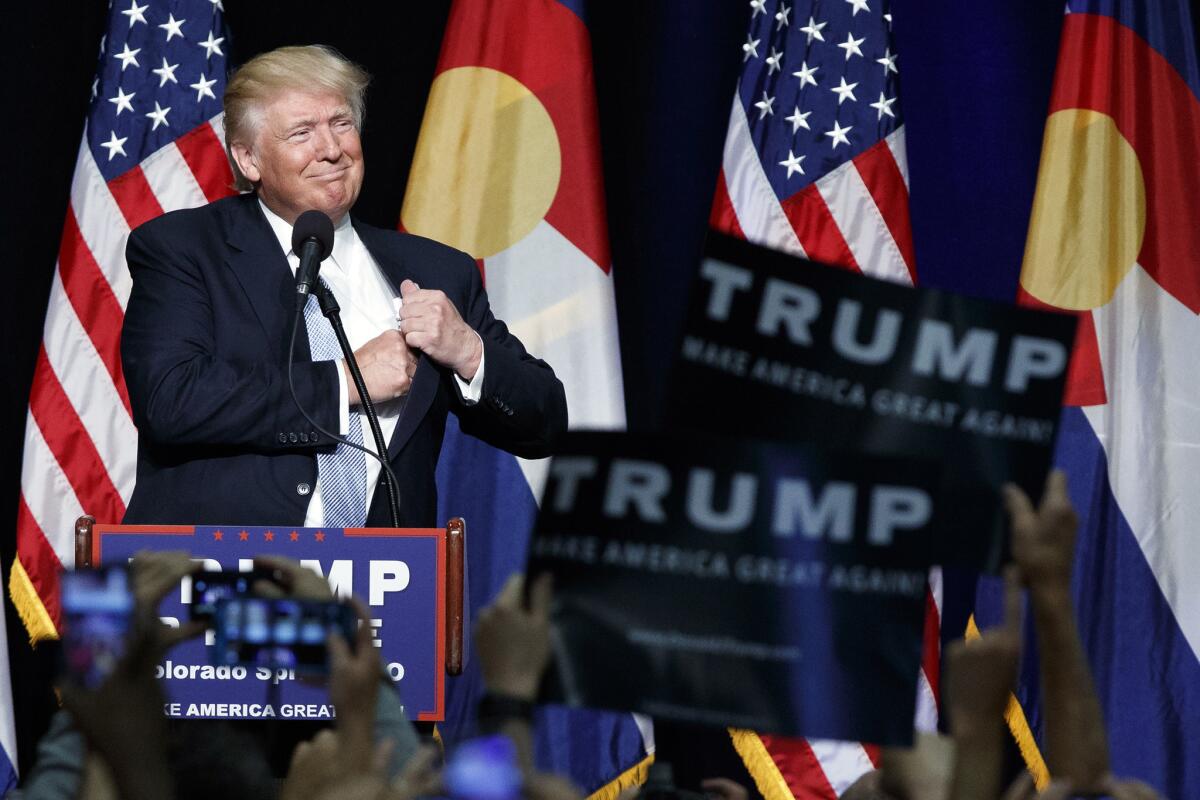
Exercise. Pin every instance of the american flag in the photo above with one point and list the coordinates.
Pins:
(814, 165)
(152, 143)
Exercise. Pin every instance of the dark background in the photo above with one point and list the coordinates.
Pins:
(976, 86)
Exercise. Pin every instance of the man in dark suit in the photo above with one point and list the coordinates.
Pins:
(205, 341)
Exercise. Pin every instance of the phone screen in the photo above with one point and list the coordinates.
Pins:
(97, 606)
(484, 769)
(208, 588)
(264, 632)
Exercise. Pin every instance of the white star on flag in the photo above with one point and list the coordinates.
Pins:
(764, 106)
(781, 17)
(884, 106)
(838, 134)
(888, 61)
(750, 48)
(159, 115)
(851, 45)
(212, 45)
(203, 87)
(792, 162)
(806, 74)
(136, 13)
(122, 100)
(759, 6)
(813, 29)
(799, 120)
(859, 5)
(166, 73)
(773, 61)
(128, 57)
(115, 146)
(846, 90)
(172, 27)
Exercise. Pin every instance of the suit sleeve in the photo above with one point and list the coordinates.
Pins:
(182, 390)
(523, 407)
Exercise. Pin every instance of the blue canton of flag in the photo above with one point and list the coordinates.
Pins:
(819, 85)
(161, 73)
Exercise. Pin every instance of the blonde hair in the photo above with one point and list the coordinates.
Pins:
(259, 79)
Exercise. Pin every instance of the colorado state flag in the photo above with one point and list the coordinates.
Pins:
(1115, 237)
(507, 168)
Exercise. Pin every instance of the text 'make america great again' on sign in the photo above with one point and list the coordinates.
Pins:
(780, 348)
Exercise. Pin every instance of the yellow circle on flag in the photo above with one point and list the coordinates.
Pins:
(487, 164)
(1089, 212)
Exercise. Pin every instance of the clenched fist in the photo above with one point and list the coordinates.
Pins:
(387, 366)
(433, 325)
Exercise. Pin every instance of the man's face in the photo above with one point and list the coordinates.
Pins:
(306, 154)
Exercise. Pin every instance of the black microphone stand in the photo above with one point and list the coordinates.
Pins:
(333, 312)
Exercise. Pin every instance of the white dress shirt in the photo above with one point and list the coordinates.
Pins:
(370, 305)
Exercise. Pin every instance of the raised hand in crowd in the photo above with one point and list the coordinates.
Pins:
(981, 675)
(1043, 546)
(122, 720)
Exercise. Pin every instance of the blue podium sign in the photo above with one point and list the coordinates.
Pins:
(399, 573)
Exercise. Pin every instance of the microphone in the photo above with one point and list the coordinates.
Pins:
(312, 242)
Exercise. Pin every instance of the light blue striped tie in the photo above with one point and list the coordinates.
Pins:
(342, 473)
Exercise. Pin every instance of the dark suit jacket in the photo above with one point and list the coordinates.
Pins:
(204, 349)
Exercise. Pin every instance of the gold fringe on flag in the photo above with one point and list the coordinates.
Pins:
(1018, 725)
(29, 606)
(760, 765)
(634, 776)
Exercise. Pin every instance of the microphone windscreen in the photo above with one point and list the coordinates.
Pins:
(313, 225)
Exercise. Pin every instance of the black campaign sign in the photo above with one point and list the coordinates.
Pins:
(737, 583)
(781, 348)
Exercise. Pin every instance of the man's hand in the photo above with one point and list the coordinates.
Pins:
(387, 365)
(1043, 541)
(433, 325)
(982, 672)
(514, 642)
(153, 575)
(354, 679)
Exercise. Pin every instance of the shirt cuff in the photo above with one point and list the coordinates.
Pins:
(343, 399)
(471, 392)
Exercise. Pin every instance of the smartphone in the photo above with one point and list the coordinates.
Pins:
(274, 633)
(210, 587)
(97, 607)
(484, 769)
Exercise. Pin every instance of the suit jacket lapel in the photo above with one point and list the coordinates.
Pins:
(382, 247)
(262, 270)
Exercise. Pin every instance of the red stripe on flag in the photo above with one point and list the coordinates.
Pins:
(205, 157)
(134, 197)
(71, 444)
(931, 656)
(881, 174)
(799, 767)
(723, 217)
(38, 559)
(816, 228)
(92, 297)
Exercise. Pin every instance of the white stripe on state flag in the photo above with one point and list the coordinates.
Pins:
(895, 143)
(842, 762)
(171, 179)
(926, 718)
(1150, 431)
(101, 222)
(48, 494)
(862, 225)
(754, 202)
(565, 314)
(89, 387)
